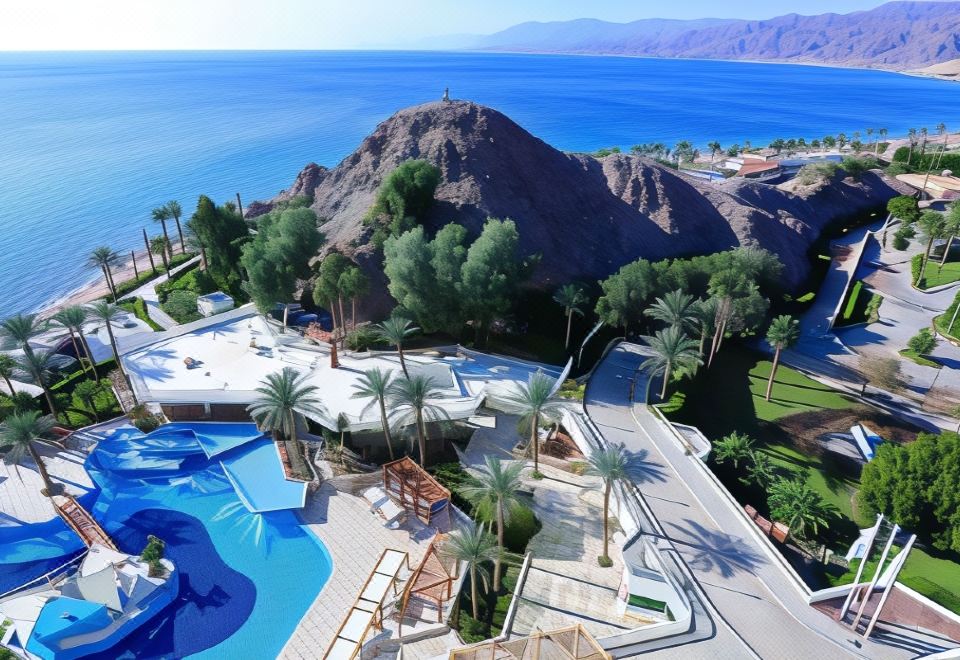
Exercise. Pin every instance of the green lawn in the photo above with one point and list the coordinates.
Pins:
(832, 484)
(919, 359)
(936, 276)
(792, 393)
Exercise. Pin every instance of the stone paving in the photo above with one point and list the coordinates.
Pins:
(565, 585)
(20, 485)
(355, 538)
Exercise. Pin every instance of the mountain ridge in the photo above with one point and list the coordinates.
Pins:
(899, 36)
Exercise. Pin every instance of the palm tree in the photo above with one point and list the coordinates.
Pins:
(761, 470)
(783, 333)
(675, 309)
(535, 402)
(409, 398)
(160, 245)
(8, 367)
(571, 297)
(161, 214)
(735, 447)
(706, 312)
(374, 384)
(612, 464)
(21, 430)
(174, 211)
(933, 225)
(104, 311)
(72, 319)
(672, 349)
(395, 331)
(951, 229)
(22, 401)
(475, 547)
(282, 395)
(715, 148)
(37, 364)
(798, 505)
(105, 259)
(19, 329)
(883, 134)
(496, 486)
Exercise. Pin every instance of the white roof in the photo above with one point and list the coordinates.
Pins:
(24, 612)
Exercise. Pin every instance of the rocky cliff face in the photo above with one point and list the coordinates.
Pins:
(585, 216)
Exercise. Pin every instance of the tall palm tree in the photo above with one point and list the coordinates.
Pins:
(475, 547)
(798, 505)
(883, 134)
(72, 318)
(395, 331)
(714, 150)
(106, 259)
(933, 225)
(571, 297)
(37, 364)
(535, 401)
(912, 138)
(496, 486)
(612, 464)
(783, 333)
(951, 229)
(21, 430)
(374, 384)
(734, 447)
(160, 245)
(706, 312)
(672, 349)
(19, 329)
(410, 400)
(175, 211)
(675, 309)
(161, 214)
(109, 314)
(282, 395)
(8, 367)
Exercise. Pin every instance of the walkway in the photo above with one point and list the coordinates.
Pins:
(20, 485)
(149, 294)
(746, 586)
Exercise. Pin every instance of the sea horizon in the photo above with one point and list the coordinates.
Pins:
(95, 139)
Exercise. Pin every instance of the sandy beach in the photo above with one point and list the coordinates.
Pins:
(97, 288)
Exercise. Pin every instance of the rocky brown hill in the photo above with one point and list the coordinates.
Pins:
(897, 35)
(585, 216)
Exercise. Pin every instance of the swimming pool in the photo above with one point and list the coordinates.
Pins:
(246, 578)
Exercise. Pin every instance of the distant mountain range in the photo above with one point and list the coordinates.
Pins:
(897, 35)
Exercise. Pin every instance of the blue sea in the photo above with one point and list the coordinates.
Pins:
(91, 142)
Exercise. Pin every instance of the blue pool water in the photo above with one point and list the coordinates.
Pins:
(91, 142)
(246, 579)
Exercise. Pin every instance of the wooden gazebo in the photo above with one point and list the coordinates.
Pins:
(411, 487)
(432, 581)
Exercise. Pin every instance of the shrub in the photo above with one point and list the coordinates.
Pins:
(897, 168)
(923, 342)
(152, 554)
(901, 154)
(571, 389)
(817, 172)
(520, 528)
(362, 338)
(857, 166)
(182, 306)
(916, 265)
(900, 241)
(192, 279)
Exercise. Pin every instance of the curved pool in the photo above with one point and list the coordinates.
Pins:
(246, 579)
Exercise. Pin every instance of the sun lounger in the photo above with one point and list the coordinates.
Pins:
(382, 505)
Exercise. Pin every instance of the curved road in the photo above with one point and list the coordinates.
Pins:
(749, 592)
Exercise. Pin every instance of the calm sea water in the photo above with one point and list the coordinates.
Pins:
(89, 143)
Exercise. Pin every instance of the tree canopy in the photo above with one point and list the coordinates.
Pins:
(279, 255)
(404, 197)
(222, 232)
(491, 273)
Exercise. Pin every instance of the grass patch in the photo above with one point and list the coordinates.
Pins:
(937, 276)
(919, 359)
(862, 306)
(125, 287)
(792, 393)
(138, 307)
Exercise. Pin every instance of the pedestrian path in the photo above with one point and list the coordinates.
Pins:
(149, 294)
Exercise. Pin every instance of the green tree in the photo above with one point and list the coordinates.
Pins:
(613, 464)
(410, 400)
(734, 447)
(109, 314)
(572, 298)
(672, 350)
(904, 207)
(21, 431)
(934, 226)
(19, 329)
(395, 331)
(625, 294)
(175, 211)
(22, 401)
(490, 274)
(160, 245)
(675, 309)
(923, 342)
(106, 259)
(161, 214)
(355, 285)
(86, 392)
(473, 547)
(281, 396)
(535, 402)
(222, 232)
(8, 367)
(279, 256)
(374, 384)
(39, 366)
(951, 229)
(799, 506)
(783, 333)
(327, 292)
(405, 196)
(497, 485)
(72, 319)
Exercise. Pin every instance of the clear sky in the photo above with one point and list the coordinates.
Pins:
(324, 24)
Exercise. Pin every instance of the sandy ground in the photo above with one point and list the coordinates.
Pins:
(97, 288)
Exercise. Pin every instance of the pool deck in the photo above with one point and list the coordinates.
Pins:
(20, 485)
(355, 538)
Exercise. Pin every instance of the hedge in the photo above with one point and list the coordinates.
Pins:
(916, 265)
(127, 286)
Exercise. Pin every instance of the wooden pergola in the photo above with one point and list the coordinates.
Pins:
(412, 487)
(432, 580)
(571, 643)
